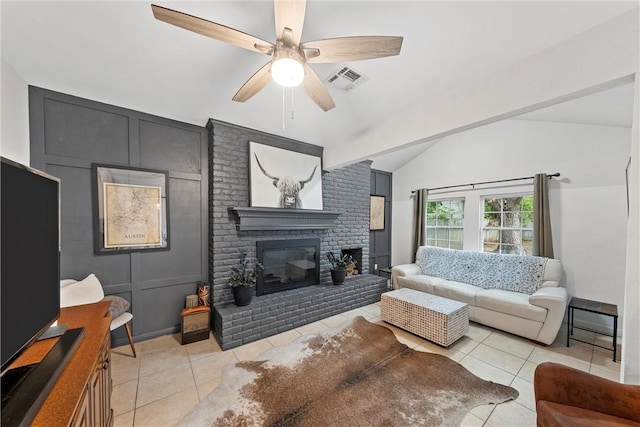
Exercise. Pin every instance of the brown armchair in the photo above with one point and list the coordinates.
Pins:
(569, 397)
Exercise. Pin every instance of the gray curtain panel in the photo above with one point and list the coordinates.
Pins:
(419, 219)
(542, 241)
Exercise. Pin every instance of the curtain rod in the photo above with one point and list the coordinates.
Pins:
(557, 174)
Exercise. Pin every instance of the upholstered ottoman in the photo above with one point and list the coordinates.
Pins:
(434, 318)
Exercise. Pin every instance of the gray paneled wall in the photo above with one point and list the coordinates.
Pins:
(380, 240)
(345, 190)
(70, 133)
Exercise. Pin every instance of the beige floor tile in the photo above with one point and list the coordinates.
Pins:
(161, 343)
(207, 387)
(605, 360)
(335, 321)
(123, 397)
(252, 350)
(124, 420)
(610, 374)
(464, 345)
(210, 367)
(478, 332)
(497, 358)
(512, 414)
(511, 344)
(471, 420)
(360, 312)
(577, 357)
(486, 371)
(124, 368)
(199, 349)
(163, 384)
(168, 411)
(312, 328)
(125, 351)
(525, 389)
(160, 360)
(284, 337)
(482, 412)
(527, 371)
(373, 309)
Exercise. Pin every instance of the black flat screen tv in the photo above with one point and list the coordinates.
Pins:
(30, 256)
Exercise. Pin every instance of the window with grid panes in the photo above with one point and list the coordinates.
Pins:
(507, 225)
(445, 223)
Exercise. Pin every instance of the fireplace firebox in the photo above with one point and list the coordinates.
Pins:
(288, 264)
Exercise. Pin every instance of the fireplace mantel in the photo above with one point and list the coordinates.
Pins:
(249, 219)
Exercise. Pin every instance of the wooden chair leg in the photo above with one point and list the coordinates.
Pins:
(128, 329)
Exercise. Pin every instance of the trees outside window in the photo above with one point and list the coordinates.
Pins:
(445, 223)
(507, 225)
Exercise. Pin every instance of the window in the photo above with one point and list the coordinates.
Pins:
(507, 225)
(445, 220)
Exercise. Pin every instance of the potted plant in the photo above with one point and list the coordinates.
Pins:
(339, 267)
(243, 278)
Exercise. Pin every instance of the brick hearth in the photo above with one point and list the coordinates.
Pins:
(279, 312)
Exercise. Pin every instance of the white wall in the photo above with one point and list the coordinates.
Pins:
(14, 115)
(588, 202)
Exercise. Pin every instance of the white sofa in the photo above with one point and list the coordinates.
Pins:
(518, 294)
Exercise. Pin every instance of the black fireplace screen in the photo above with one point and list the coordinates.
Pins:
(288, 264)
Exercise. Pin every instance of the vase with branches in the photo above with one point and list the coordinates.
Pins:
(243, 278)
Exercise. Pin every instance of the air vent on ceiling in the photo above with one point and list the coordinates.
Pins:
(346, 79)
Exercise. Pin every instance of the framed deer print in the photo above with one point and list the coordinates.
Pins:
(280, 178)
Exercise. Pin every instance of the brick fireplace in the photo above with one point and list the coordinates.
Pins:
(345, 190)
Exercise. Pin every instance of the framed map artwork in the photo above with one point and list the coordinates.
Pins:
(131, 209)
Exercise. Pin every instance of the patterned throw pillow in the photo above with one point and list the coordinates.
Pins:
(518, 273)
(118, 305)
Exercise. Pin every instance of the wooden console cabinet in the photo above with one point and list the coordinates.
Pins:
(82, 394)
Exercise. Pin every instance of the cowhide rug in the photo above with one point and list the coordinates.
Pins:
(359, 375)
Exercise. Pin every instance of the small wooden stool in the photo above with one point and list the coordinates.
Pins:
(195, 324)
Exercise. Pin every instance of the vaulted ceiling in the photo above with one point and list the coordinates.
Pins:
(116, 52)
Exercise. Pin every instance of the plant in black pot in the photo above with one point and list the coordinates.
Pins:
(243, 279)
(339, 267)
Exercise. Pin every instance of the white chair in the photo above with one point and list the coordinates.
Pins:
(89, 291)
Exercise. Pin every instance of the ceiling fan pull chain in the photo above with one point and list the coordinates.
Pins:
(284, 129)
(292, 104)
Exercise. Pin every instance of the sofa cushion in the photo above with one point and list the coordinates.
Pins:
(419, 282)
(510, 302)
(458, 291)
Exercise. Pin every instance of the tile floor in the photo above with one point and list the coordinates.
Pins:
(167, 379)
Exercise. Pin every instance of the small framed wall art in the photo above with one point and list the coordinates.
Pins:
(131, 209)
(376, 219)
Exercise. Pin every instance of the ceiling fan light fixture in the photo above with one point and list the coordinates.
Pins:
(286, 68)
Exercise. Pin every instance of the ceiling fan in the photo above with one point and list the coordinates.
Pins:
(290, 58)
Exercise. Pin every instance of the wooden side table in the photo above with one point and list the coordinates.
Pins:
(598, 308)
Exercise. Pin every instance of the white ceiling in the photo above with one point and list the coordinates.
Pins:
(116, 52)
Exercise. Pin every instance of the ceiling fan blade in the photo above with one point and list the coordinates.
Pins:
(211, 29)
(356, 48)
(289, 14)
(255, 84)
(316, 90)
